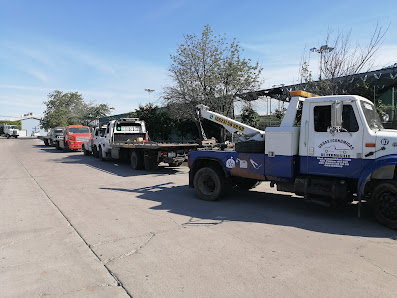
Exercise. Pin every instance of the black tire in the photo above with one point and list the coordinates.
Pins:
(66, 146)
(95, 151)
(100, 154)
(46, 142)
(51, 143)
(151, 162)
(250, 147)
(8, 136)
(245, 183)
(209, 184)
(57, 145)
(86, 152)
(136, 160)
(16, 137)
(384, 203)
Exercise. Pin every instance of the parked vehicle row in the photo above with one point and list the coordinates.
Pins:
(332, 150)
(121, 139)
(127, 139)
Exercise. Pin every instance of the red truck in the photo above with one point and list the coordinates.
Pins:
(73, 137)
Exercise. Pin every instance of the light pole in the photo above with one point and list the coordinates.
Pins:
(321, 50)
(149, 90)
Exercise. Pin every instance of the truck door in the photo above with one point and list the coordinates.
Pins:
(333, 152)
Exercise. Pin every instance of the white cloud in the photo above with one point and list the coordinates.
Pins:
(386, 56)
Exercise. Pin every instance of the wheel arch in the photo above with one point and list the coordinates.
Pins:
(381, 169)
(205, 162)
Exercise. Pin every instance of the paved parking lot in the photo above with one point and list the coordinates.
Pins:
(72, 225)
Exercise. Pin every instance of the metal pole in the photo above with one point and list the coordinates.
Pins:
(392, 104)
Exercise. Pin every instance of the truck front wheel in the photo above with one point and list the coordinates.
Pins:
(86, 152)
(209, 184)
(46, 142)
(100, 153)
(384, 201)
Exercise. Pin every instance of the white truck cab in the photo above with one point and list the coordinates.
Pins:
(10, 131)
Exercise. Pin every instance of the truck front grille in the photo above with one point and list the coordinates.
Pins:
(82, 139)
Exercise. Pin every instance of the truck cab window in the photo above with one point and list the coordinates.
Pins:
(322, 118)
(349, 121)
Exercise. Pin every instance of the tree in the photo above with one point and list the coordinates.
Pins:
(157, 120)
(339, 62)
(69, 108)
(249, 116)
(208, 70)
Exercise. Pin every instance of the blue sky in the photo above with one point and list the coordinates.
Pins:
(110, 51)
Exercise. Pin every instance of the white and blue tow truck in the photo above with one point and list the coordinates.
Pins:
(330, 149)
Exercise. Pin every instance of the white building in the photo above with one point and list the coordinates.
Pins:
(31, 125)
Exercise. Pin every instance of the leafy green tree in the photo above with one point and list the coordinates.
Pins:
(208, 70)
(63, 109)
(157, 120)
(249, 116)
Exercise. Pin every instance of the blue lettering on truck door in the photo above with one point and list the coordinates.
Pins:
(338, 154)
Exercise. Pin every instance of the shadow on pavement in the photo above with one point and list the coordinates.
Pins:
(266, 208)
(113, 167)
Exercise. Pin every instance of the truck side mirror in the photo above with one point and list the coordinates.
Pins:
(336, 114)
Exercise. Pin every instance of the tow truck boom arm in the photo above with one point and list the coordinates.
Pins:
(244, 131)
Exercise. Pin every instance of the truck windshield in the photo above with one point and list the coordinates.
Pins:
(13, 127)
(58, 131)
(79, 130)
(371, 115)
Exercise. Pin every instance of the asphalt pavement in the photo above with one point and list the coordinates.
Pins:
(73, 226)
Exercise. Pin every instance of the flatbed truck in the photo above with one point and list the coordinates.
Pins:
(127, 139)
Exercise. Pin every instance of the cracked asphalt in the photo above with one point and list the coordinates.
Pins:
(73, 226)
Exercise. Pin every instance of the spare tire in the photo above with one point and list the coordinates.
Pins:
(250, 147)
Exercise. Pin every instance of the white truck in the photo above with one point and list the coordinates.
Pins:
(91, 146)
(53, 136)
(330, 149)
(10, 131)
(127, 139)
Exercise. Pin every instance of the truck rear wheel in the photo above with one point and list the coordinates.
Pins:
(384, 202)
(66, 146)
(46, 142)
(136, 160)
(209, 184)
(150, 161)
